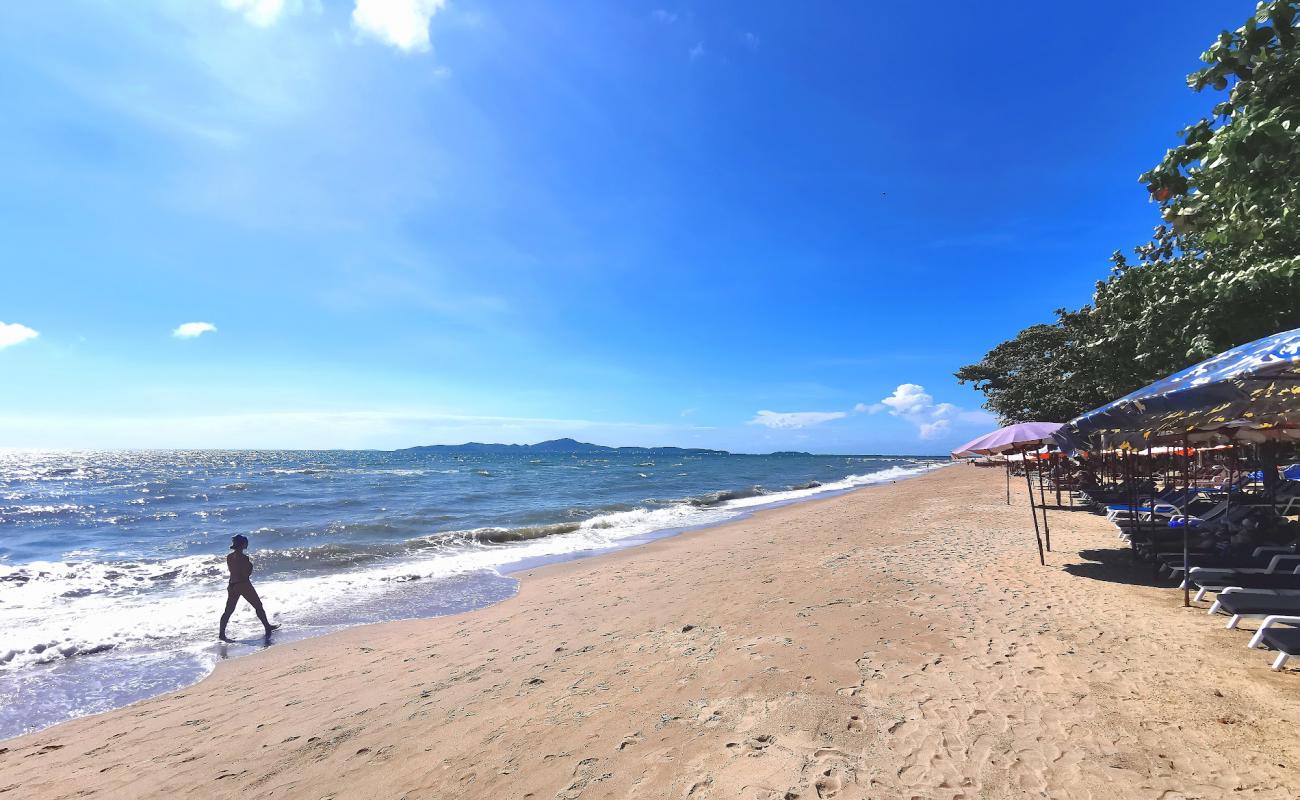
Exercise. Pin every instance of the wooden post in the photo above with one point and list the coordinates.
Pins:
(1038, 538)
(1187, 558)
(1042, 499)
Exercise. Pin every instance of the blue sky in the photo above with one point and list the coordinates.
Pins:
(753, 226)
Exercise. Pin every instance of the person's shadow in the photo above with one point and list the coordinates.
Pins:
(264, 641)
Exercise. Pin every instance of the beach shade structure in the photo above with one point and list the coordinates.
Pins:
(1011, 439)
(1018, 438)
(1253, 387)
(1249, 393)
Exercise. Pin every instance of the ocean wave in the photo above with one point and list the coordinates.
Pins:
(56, 610)
(41, 512)
(725, 496)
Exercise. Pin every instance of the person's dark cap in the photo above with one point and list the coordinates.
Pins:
(238, 541)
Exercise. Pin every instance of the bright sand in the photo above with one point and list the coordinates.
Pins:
(897, 641)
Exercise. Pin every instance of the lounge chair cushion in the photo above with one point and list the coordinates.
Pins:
(1250, 603)
(1254, 580)
(1283, 639)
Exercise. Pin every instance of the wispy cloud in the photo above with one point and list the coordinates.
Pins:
(12, 333)
(664, 16)
(262, 13)
(193, 330)
(404, 24)
(910, 401)
(697, 51)
(785, 420)
(750, 39)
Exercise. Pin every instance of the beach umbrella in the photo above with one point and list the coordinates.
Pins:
(1253, 387)
(1249, 393)
(1011, 439)
(1017, 438)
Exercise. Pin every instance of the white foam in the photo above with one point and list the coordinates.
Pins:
(66, 609)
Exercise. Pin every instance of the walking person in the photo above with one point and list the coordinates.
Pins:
(241, 585)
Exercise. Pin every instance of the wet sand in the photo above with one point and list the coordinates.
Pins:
(897, 641)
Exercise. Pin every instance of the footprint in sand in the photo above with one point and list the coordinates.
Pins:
(829, 784)
(856, 724)
(757, 744)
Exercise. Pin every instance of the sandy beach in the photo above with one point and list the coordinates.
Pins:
(896, 641)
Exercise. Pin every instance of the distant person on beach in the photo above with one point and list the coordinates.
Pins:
(241, 585)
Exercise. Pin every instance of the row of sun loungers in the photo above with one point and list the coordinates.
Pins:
(1263, 586)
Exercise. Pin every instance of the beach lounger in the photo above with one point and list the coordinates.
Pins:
(1276, 583)
(1277, 633)
(1248, 605)
(1279, 564)
(1167, 504)
(1261, 558)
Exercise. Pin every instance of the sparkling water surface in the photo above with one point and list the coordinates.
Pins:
(112, 567)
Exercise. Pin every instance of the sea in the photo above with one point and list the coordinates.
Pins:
(112, 564)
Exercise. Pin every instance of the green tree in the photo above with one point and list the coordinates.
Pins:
(1221, 272)
(1037, 376)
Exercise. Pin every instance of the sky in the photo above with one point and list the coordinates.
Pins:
(754, 226)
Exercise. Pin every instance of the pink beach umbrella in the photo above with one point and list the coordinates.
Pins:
(1011, 439)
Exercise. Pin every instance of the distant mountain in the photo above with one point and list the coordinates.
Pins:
(565, 446)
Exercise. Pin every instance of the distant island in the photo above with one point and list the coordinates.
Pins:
(573, 447)
(564, 446)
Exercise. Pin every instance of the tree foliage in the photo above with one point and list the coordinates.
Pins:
(1223, 269)
(1011, 375)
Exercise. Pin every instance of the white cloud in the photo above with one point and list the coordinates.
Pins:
(908, 399)
(12, 333)
(697, 51)
(749, 40)
(191, 330)
(912, 402)
(933, 430)
(664, 16)
(262, 13)
(402, 23)
(794, 419)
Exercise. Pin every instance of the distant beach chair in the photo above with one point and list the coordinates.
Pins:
(1168, 503)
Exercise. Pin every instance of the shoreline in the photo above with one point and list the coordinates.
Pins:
(200, 664)
(894, 639)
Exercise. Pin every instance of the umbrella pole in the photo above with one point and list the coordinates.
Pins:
(1056, 479)
(1130, 477)
(1038, 538)
(1232, 463)
(1074, 483)
(1007, 464)
(1187, 558)
(1042, 500)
